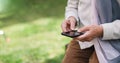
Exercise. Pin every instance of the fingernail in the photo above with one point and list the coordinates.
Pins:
(72, 28)
(78, 30)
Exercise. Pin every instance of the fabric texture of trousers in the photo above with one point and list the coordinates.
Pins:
(76, 55)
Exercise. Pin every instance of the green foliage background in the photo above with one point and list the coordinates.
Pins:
(33, 27)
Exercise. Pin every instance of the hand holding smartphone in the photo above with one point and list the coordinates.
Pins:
(72, 34)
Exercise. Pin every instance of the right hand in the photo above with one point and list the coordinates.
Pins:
(69, 24)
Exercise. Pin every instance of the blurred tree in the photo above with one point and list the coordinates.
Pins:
(8, 7)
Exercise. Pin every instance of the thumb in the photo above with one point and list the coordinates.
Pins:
(83, 29)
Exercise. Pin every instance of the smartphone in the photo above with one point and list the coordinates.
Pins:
(72, 34)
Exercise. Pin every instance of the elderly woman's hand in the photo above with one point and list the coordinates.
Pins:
(68, 24)
(90, 32)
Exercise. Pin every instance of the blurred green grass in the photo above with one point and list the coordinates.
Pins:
(34, 32)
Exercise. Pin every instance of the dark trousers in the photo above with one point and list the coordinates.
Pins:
(75, 55)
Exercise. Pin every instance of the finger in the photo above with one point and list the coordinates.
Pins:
(68, 26)
(83, 29)
(68, 29)
(78, 39)
(64, 26)
(83, 37)
(72, 24)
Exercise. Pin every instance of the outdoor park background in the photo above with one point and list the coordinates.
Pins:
(33, 31)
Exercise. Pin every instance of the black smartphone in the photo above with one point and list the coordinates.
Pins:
(72, 34)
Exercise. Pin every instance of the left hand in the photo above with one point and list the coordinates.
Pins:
(91, 32)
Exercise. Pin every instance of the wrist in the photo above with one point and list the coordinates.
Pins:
(100, 31)
(72, 17)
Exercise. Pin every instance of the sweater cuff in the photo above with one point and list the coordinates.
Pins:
(71, 14)
(107, 31)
